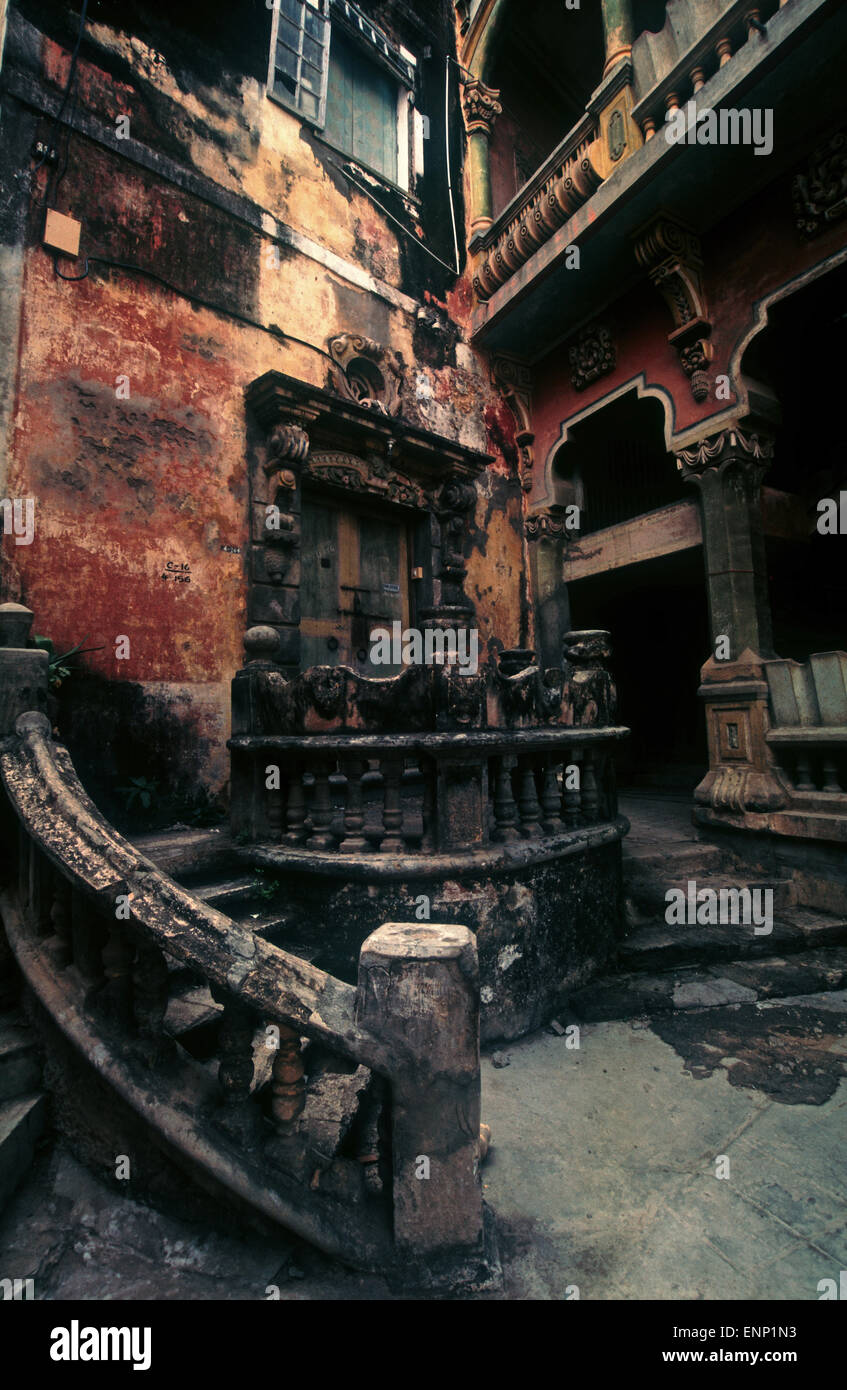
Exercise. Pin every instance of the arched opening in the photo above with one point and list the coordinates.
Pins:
(799, 357)
(637, 569)
(547, 62)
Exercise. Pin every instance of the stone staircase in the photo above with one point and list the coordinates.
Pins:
(661, 968)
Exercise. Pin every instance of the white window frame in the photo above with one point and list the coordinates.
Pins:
(321, 7)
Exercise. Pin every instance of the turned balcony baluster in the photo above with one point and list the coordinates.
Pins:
(354, 841)
(89, 937)
(571, 791)
(118, 955)
(392, 806)
(321, 810)
(295, 811)
(60, 917)
(530, 810)
(590, 790)
(429, 828)
(505, 806)
(550, 798)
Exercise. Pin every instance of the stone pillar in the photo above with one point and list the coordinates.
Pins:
(418, 991)
(618, 29)
(547, 536)
(23, 670)
(742, 784)
(481, 107)
(247, 804)
(727, 469)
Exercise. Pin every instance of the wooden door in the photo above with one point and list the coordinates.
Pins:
(355, 578)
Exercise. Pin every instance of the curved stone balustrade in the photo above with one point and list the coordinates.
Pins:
(114, 952)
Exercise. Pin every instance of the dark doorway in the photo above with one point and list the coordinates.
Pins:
(656, 613)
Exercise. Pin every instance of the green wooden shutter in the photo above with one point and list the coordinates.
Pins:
(361, 107)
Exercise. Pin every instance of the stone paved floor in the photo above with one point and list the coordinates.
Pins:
(602, 1176)
(602, 1172)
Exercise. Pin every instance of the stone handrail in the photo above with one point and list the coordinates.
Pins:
(97, 930)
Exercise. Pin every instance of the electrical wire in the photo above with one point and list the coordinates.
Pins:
(447, 153)
(342, 169)
(272, 329)
(61, 111)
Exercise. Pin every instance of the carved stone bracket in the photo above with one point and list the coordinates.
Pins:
(592, 355)
(548, 525)
(819, 190)
(480, 106)
(670, 253)
(369, 373)
(513, 380)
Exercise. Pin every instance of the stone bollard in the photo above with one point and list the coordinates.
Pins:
(418, 991)
(23, 670)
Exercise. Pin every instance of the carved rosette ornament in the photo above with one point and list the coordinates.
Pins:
(592, 355)
(480, 106)
(819, 191)
(513, 380)
(670, 253)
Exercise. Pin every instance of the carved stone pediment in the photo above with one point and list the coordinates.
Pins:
(369, 373)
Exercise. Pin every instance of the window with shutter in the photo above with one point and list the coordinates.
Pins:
(361, 108)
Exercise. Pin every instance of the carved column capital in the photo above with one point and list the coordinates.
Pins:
(730, 446)
(480, 106)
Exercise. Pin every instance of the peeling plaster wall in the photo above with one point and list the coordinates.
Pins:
(141, 503)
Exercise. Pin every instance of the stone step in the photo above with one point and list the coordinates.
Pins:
(657, 946)
(224, 893)
(649, 860)
(22, 1122)
(20, 1063)
(731, 982)
(649, 896)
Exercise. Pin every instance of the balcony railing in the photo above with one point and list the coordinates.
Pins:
(563, 183)
(808, 737)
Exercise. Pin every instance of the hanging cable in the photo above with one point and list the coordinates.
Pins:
(61, 111)
(447, 151)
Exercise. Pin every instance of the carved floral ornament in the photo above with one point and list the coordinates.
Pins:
(819, 190)
(592, 355)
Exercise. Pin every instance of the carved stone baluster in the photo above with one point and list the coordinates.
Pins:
(321, 838)
(295, 814)
(354, 841)
(392, 806)
(89, 938)
(150, 1001)
(428, 780)
(235, 1070)
(273, 810)
(505, 806)
(550, 798)
(803, 781)
(288, 1084)
(530, 811)
(830, 775)
(723, 51)
(61, 948)
(571, 795)
(40, 891)
(590, 790)
(368, 1148)
(116, 996)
